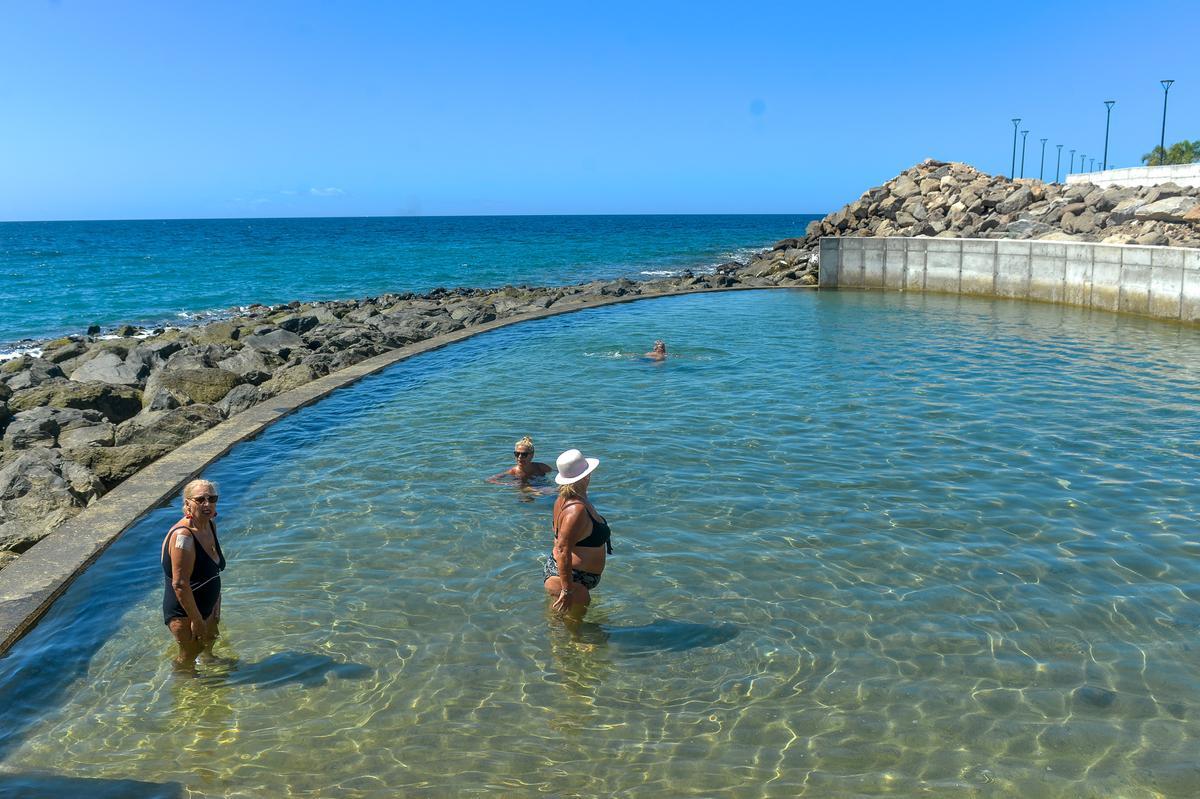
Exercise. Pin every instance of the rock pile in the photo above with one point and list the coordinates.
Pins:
(954, 200)
(88, 412)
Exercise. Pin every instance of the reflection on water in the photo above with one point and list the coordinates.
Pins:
(866, 544)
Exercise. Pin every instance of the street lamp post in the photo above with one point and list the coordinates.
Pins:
(1024, 135)
(1082, 161)
(1108, 104)
(1071, 163)
(1162, 137)
(1057, 162)
(1091, 165)
(1042, 167)
(1013, 171)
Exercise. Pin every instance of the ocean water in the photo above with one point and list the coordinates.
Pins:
(61, 277)
(866, 544)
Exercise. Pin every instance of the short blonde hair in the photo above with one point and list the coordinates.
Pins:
(525, 442)
(189, 490)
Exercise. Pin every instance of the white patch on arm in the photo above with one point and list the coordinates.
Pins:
(183, 542)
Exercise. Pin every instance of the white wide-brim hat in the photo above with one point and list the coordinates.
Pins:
(573, 467)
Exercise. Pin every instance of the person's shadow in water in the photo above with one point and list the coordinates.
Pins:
(288, 668)
(660, 635)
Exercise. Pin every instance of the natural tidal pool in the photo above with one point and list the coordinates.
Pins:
(866, 544)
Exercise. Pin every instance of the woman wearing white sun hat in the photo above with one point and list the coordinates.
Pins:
(582, 538)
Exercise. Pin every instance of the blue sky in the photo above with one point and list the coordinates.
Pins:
(123, 109)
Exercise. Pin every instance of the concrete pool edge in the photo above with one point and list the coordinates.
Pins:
(30, 585)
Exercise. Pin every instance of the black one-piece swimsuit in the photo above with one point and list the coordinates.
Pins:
(205, 580)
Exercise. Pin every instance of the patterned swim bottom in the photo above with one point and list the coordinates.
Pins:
(588, 580)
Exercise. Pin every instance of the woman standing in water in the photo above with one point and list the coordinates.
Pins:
(192, 562)
(526, 468)
(582, 538)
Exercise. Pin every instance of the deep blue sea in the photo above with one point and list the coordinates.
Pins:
(60, 277)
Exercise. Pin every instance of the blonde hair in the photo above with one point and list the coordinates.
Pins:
(570, 491)
(525, 442)
(189, 490)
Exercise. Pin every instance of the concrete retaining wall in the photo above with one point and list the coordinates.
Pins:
(1179, 174)
(1162, 282)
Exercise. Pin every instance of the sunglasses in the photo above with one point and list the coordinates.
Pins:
(206, 498)
(523, 455)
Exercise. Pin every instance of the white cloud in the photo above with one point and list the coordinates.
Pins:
(331, 191)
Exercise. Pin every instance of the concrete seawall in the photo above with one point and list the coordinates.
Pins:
(1162, 282)
(1179, 174)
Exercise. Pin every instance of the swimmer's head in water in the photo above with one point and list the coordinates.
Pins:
(660, 346)
(523, 448)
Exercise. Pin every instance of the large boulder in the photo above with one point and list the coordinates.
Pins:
(275, 341)
(27, 372)
(111, 367)
(239, 399)
(288, 378)
(118, 403)
(198, 356)
(1170, 209)
(905, 187)
(171, 427)
(198, 386)
(250, 365)
(39, 489)
(1083, 223)
(112, 465)
(41, 427)
(1019, 200)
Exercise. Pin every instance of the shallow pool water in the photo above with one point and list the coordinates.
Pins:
(865, 544)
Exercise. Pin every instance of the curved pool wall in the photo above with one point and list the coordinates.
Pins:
(1163, 282)
(30, 585)
(867, 544)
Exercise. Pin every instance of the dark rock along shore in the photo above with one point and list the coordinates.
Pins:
(90, 412)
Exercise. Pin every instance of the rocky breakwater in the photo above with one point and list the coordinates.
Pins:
(953, 200)
(88, 412)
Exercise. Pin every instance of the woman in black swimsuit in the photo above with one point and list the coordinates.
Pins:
(582, 538)
(192, 562)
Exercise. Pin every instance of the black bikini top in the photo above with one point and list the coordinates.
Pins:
(601, 533)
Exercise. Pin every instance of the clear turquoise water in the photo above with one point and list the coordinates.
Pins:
(60, 277)
(954, 542)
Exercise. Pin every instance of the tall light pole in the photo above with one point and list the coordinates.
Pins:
(1082, 161)
(1091, 165)
(1108, 104)
(1057, 162)
(1042, 168)
(1071, 163)
(1024, 135)
(1013, 172)
(1162, 137)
